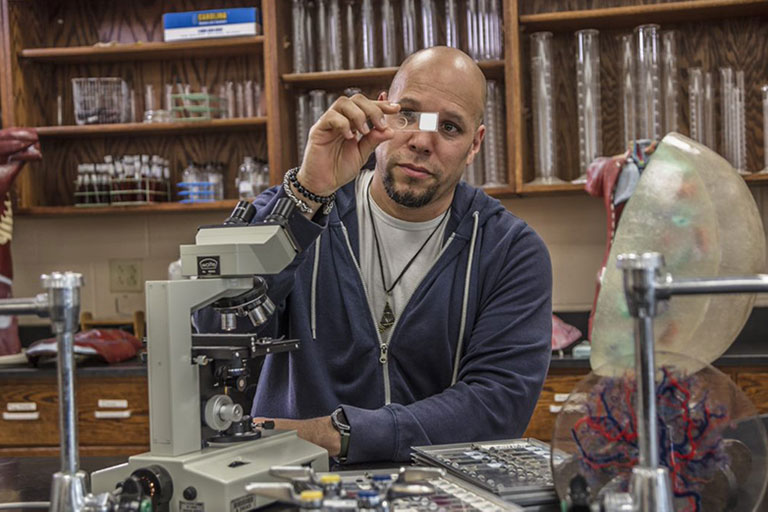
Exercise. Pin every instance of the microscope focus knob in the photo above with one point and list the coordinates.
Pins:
(221, 412)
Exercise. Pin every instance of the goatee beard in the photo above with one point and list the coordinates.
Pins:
(408, 198)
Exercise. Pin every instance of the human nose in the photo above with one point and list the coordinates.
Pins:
(421, 143)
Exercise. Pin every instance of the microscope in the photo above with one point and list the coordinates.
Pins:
(203, 447)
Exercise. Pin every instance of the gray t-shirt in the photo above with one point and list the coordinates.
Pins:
(399, 241)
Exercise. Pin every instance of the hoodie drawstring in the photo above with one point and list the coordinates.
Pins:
(313, 292)
(467, 278)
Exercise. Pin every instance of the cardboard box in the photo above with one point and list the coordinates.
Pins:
(184, 26)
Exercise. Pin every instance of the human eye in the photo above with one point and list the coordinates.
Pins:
(408, 115)
(450, 128)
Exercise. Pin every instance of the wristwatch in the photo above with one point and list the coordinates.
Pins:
(340, 423)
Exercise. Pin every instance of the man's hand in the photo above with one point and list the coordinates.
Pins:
(334, 155)
(18, 145)
(319, 431)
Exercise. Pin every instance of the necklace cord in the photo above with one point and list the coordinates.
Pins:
(378, 249)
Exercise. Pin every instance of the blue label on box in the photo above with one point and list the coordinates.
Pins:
(211, 17)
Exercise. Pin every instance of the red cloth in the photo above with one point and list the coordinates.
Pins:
(111, 345)
(17, 146)
(563, 334)
(602, 176)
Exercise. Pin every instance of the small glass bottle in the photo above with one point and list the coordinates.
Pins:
(246, 176)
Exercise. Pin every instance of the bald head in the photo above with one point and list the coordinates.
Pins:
(444, 65)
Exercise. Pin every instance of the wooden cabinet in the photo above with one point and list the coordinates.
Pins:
(46, 43)
(556, 389)
(112, 415)
(560, 382)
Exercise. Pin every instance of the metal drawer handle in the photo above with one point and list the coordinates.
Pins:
(561, 397)
(21, 406)
(21, 416)
(112, 415)
(106, 403)
(554, 409)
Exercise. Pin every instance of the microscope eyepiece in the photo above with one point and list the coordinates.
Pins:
(242, 215)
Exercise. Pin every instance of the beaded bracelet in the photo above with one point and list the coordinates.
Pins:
(292, 176)
(302, 205)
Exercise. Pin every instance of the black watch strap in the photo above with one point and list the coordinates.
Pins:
(340, 423)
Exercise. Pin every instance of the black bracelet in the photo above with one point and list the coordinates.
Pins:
(306, 193)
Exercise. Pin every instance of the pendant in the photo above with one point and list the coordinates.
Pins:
(387, 318)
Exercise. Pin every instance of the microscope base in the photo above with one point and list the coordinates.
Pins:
(219, 475)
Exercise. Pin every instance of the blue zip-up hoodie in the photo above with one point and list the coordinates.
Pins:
(466, 359)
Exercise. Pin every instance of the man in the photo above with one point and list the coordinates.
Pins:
(423, 306)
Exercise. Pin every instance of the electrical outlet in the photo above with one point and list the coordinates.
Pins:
(125, 276)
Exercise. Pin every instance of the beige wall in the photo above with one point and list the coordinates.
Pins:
(572, 226)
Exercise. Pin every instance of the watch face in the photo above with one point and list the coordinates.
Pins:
(339, 420)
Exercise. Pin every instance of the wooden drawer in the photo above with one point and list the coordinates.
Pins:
(755, 386)
(113, 411)
(29, 413)
(543, 420)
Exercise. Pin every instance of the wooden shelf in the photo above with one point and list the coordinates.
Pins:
(113, 130)
(57, 211)
(372, 76)
(551, 189)
(146, 51)
(631, 16)
(756, 179)
(500, 192)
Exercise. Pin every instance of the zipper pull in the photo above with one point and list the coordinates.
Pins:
(383, 357)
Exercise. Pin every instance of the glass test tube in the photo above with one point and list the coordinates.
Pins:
(495, 28)
(350, 21)
(669, 61)
(323, 46)
(628, 90)
(482, 29)
(388, 43)
(149, 97)
(696, 104)
(490, 144)
(302, 125)
(299, 41)
(451, 24)
(588, 94)
(709, 111)
(726, 111)
(334, 34)
(317, 99)
(543, 109)
(428, 35)
(501, 135)
(648, 95)
(369, 42)
(409, 27)
(764, 89)
(740, 144)
(471, 17)
(309, 35)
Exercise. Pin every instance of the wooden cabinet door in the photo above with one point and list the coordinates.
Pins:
(113, 411)
(29, 412)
